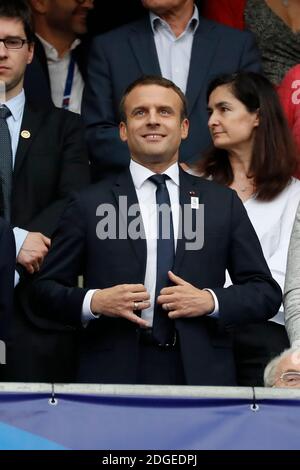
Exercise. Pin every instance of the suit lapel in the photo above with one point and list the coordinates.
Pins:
(32, 120)
(203, 51)
(126, 198)
(142, 43)
(189, 187)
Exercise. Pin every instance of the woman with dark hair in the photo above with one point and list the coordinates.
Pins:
(254, 154)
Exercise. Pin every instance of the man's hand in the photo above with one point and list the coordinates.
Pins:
(33, 251)
(121, 301)
(185, 300)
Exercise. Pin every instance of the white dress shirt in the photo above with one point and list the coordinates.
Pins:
(58, 71)
(273, 222)
(174, 53)
(146, 194)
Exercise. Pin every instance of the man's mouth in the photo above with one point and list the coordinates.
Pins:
(153, 137)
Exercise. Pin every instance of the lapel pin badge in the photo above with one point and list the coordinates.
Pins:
(25, 134)
(194, 200)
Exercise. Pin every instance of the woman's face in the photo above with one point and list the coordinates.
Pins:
(231, 125)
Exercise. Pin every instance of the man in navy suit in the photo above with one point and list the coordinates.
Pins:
(174, 42)
(131, 331)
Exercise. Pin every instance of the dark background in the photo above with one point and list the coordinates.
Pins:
(109, 14)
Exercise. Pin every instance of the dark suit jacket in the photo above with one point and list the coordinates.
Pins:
(37, 80)
(49, 164)
(121, 56)
(48, 167)
(7, 270)
(109, 347)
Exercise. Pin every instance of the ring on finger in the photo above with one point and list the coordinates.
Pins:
(135, 305)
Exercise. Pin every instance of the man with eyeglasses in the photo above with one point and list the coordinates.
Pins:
(60, 54)
(284, 370)
(42, 159)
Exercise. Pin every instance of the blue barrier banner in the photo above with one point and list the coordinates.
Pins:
(86, 422)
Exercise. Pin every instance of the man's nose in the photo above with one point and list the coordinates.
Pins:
(153, 118)
(89, 4)
(3, 50)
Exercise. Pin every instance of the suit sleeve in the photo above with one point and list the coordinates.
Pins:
(292, 284)
(250, 60)
(55, 294)
(100, 113)
(254, 296)
(7, 272)
(74, 174)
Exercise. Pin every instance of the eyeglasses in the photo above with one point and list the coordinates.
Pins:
(14, 43)
(292, 379)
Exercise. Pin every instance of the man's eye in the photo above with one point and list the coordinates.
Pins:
(12, 42)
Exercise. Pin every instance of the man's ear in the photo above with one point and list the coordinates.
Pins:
(185, 128)
(30, 53)
(123, 131)
(257, 118)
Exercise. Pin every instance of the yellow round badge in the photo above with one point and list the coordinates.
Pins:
(25, 134)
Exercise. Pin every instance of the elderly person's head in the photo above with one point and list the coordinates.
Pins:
(284, 370)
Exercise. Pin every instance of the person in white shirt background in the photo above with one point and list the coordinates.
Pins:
(254, 154)
(291, 298)
(59, 26)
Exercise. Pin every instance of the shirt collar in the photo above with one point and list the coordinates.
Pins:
(193, 23)
(51, 52)
(16, 105)
(140, 173)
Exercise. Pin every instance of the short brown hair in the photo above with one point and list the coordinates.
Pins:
(153, 80)
(20, 10)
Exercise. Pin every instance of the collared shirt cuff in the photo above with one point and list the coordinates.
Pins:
(86, 313)
(17, 278)
(20, 235)
(215, 313)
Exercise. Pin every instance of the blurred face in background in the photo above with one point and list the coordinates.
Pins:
(161, 7)
(231, 125)
(67, 15)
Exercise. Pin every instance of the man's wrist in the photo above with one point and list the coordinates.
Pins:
(96, 303)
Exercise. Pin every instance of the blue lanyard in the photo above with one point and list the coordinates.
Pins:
(69, 84)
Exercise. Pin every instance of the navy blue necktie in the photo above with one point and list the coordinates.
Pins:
(5, 161)
(163, 327)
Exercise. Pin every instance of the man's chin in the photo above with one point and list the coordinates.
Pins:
(80, 27)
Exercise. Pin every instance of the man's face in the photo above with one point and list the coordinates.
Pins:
(288, 371)
(68, 15)
(13, 62)
(154, 128)
(161, 7)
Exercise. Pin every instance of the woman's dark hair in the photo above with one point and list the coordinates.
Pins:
(20, 10)
(274, 153)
